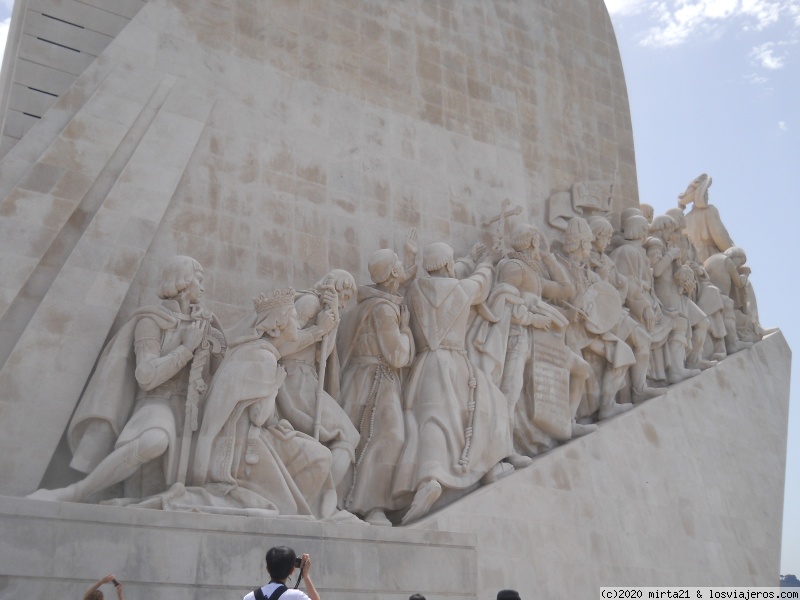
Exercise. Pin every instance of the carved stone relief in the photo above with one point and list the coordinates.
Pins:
(375, 402)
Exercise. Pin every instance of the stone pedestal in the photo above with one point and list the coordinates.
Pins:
(52, 550)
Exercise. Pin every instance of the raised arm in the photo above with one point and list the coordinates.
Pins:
(312, 591)
(96, 586)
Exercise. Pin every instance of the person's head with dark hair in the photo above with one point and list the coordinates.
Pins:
(508, 595)
(416, 597)
(94, 595)
(280, 563)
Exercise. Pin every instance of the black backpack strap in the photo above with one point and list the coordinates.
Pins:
(278, 592)
(259, 595)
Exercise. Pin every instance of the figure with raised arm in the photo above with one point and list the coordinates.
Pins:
(375, 343)
(456, 419)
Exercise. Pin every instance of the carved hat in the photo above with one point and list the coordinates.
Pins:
(381, 264)
(578, 230)
(436, 256)
(264, 302)
(695, 191)
(251, 327)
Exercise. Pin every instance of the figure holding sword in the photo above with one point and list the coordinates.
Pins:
(198, 384)
(132, 423)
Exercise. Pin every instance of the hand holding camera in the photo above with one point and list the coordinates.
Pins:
(304, 564)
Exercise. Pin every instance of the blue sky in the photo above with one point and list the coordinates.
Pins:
(714, 87)
(5, 18)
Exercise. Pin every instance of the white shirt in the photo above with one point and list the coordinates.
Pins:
(290, 594)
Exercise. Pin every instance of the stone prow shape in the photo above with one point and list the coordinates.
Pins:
(685, 489)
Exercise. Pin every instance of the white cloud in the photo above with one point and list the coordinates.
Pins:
(765, 56)
(765, 12)
(676, 21)
(783, 126)
(755, 79)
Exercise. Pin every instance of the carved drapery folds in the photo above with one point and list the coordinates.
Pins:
(381, 402)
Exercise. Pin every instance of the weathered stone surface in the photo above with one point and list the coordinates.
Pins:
(278, 142)
(687, 487)
(52, 548)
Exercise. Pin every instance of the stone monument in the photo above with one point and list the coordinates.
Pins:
(288, 143)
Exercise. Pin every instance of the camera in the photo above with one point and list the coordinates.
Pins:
(298, 562)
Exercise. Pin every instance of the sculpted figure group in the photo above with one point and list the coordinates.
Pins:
(375, 402)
